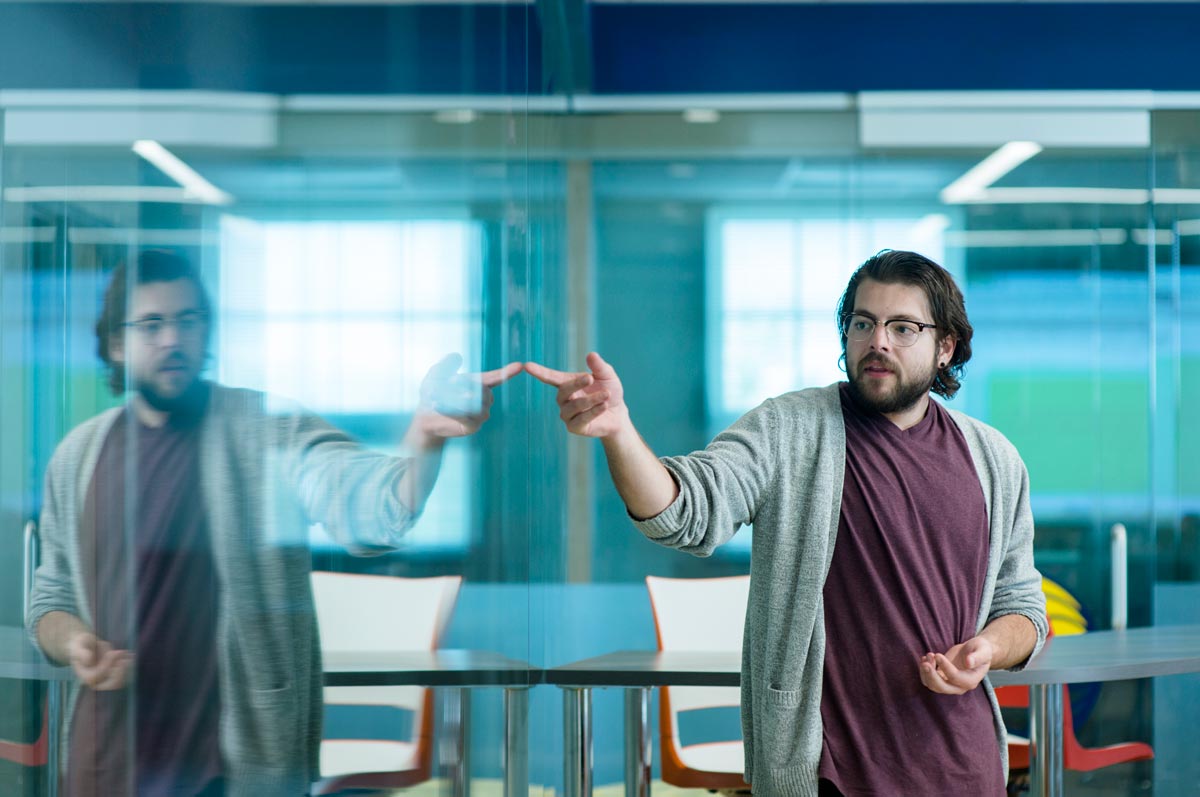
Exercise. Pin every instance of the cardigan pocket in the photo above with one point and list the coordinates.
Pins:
(262, 732)
(779, 726)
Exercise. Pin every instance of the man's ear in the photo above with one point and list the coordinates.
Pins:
(946, 348)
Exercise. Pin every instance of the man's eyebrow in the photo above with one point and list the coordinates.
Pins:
(874, 317)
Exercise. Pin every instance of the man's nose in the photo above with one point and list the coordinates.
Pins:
(879, 338)
(168, 336)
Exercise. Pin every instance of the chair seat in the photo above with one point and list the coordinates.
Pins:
(726, 757)
(351, 756)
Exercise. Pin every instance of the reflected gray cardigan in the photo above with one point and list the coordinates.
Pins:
(266, 473)
(781, 467)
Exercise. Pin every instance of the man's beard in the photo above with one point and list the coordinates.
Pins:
(906, 394)
(191, 399)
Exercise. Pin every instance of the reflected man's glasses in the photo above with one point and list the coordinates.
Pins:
(150, 328)
(900, 331)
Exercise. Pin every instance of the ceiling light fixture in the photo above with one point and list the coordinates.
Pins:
(455, 116)
(702, 116)
(989, 239)
(1061, 196)
(169, 164)
(988, 171)
(102, 193)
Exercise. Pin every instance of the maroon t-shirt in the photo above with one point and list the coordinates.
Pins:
(152, 588)
(906, 579)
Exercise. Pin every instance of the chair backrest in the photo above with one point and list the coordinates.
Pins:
(378, 614)
(697, 614)
(367, 614)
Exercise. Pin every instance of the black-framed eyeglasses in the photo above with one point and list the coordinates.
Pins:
(189, 325)
(900, 331)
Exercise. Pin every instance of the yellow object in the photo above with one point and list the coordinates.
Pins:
(1064, 610)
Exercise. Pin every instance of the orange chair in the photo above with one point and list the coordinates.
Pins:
(363, 614)
(32, 754)
(699, 614)
(36, 753)
(1076, 757)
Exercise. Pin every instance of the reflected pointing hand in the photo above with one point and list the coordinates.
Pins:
(97, 664)
(591, 404)
(457, 405)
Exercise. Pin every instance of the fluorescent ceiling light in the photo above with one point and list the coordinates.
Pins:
(101, 193)
(27, 235)
(170, 165)
(701, 116)
(987, 239)
(1061, 196)
(1188, 227)
(1083, 196)
(1177, 196)
(1161, 237)
(456, 116)
(989, 170)
(142, 236)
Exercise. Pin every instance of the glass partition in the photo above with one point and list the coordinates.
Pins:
(386, 208)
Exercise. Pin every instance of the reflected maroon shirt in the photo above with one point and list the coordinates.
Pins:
(907, 578)
(158, 736)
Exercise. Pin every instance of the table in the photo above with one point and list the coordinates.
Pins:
(456, 671)
(637, 672)
(1096, 656)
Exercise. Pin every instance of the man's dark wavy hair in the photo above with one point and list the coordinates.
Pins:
(153, 265)
(945, 303)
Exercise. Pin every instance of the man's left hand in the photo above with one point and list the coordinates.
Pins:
(960, 669)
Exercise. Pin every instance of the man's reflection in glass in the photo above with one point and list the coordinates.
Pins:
(172, 580)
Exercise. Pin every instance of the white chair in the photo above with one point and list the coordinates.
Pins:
(699, 614)
(371, 614)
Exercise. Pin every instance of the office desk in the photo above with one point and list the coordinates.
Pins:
(1096, 656)
(637, 672)
(456, 672)
(453, 670)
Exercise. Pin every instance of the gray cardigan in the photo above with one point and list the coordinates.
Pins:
(267, 472)
(781, 467)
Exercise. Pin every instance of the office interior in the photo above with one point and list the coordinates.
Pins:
(682, 187)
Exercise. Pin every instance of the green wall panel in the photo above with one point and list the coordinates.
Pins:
(1078, 433)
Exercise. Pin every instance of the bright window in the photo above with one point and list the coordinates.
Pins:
(346, 317)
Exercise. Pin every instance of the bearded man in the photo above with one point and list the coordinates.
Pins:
(892, 564)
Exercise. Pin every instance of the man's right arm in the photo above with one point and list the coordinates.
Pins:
(644, 483)
(692, 503)
(592, 404)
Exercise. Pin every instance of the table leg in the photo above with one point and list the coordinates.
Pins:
(516, 742)
(577, 742)
(1046, 740)
(637, 742)
(454, 741)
